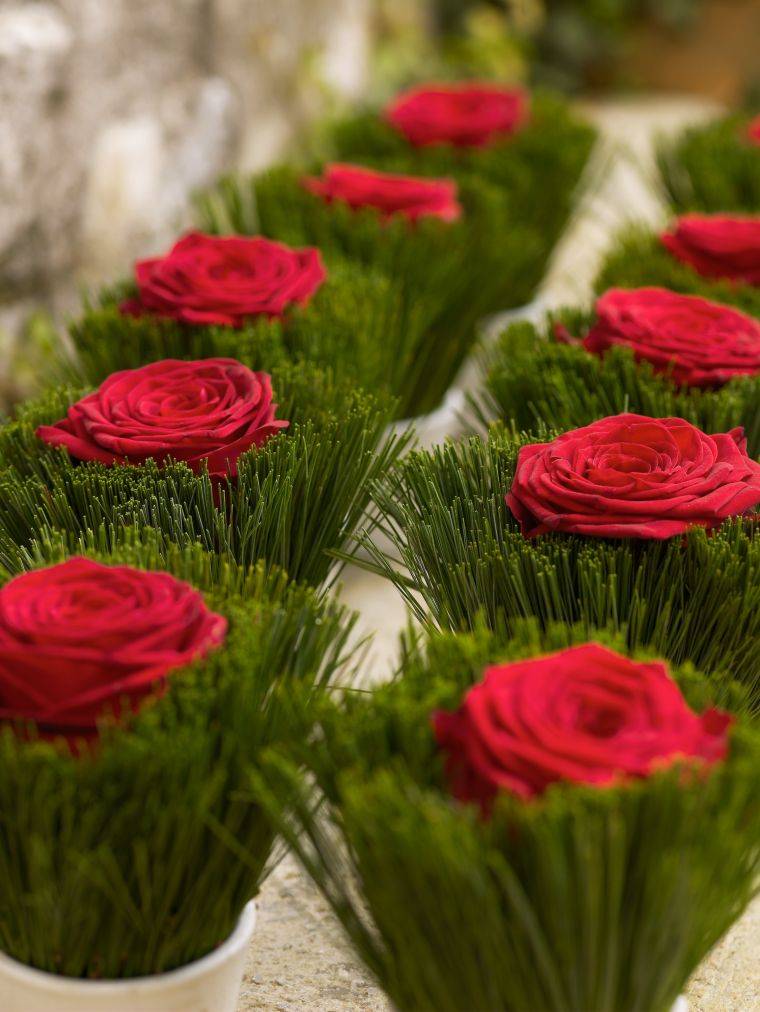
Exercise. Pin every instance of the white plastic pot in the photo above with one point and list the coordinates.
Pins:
(210, 984)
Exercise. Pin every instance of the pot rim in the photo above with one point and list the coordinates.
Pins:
(41, 979)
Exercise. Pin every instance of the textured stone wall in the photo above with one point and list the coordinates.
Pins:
(113, 111)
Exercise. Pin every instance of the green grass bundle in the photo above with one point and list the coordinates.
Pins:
(582, 898)
(293, 499)
(638, 258)
(712, 167)
(460, 556)
(135, 852)
(356, 324)
(535, 380)
(450, 273)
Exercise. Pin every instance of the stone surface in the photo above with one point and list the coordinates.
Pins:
(35, 44)
(285, 60)
(144, 167)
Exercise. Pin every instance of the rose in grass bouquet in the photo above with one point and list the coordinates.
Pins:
(456, 193)
(713, 167)
(542, 822)
(247, 297)
(440, 246)
(649, 524)
(137, 691)
(648, 350)
(716, 256)
(530, 149)
(252, 465)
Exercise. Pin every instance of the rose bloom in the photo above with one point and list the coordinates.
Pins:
(465, 115)
(81, 640)
(753, 130)
(208, 279)
(699, 343)
(205, 413)
(391, 195)
(586, 715)
(717, 245)
(629, 476)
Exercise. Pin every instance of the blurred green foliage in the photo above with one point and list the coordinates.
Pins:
(573, 45)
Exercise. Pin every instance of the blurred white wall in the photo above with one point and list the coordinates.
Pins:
(113, 111)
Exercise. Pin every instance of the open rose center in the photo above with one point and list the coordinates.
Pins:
(80, 639)
(631, 476)
(223, 280)
(698, 343)
(205, 413)
(584, 715)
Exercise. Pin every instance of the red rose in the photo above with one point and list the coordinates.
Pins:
(629, 476)
(207, 279)
(753, 130)
(465, 115)
(584, 715)
(700, 343)
(391, 195)
(717, 246)
(79, 640)
(206, 412)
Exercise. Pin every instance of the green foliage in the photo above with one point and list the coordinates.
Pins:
(356, 325)
(449, 275)
(532, 380)
(638, 258)
(583, 899)
(713, 168)
(461, 556)
(138, 855)
(296, 498)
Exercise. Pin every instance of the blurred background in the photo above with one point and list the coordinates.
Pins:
(113, 112)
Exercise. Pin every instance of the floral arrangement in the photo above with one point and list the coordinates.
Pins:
(250, 465)
(713, 167)
(646, 524)
(519, 144)
(521, 823)
(439, 194)
(261, 302)
(649, 350)
(716, 256)
(550, 791)
(134, 705)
